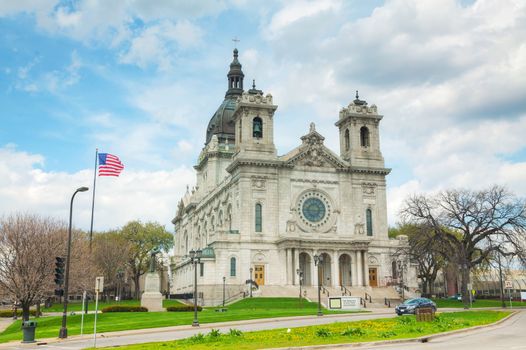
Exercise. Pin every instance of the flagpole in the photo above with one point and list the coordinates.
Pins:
(93, 199)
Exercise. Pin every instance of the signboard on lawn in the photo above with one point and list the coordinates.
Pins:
(508, 284)
(344, 303)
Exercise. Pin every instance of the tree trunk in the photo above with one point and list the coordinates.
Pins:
(137, 287)
(25, 311)
(430, 282)
(38, 309)
(424, 286)
(464, 287)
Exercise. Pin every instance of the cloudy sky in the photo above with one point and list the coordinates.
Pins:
(140, 79)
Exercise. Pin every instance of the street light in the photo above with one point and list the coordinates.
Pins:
(250, 281)
(401, 266)
(318, 260)
(300, 279)
(195, 258)
(64, 330)
(224, 280)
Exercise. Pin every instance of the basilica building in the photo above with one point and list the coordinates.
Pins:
(256, 215)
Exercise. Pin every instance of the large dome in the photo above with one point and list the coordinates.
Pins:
(222, 124)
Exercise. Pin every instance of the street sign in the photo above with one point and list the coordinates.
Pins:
(508, 284)
(99, 284)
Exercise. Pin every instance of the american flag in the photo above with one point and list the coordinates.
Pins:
(109, 165)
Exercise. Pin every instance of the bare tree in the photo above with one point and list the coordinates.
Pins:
(28, 244)
(111, 254)
(470, 225)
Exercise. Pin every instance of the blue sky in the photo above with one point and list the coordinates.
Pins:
(141, 79)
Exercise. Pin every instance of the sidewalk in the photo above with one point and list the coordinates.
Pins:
(5, 322)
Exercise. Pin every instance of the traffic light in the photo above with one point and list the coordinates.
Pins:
(59, 271)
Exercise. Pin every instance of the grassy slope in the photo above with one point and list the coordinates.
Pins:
(246, 309)
(357, 331)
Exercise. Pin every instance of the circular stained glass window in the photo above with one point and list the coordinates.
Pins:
(313, 209)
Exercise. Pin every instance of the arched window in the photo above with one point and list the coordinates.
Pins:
(395, 270)
(347, 140)
(257, 128)
(369, 218)
(258, 218)
(364, 136)
(232, 267)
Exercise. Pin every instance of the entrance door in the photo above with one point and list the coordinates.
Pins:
(259, 274)
(373, 281)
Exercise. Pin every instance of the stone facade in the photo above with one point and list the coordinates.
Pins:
(255, 211)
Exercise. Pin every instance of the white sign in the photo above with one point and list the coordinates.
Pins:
(508, 284)
(344, 303)
(523, 296)
(99, 284)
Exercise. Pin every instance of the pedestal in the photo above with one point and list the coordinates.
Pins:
(152, 299)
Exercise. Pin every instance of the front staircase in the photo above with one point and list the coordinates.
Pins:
(375, 297)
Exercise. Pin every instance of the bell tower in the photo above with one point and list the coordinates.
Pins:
(359, 134)
(254, 124)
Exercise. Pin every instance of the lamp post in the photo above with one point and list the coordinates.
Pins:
(401, 269)
(224, 280)
(318, 260)
(63, 333)
(250, 282)
(300, 279)
(195, 258)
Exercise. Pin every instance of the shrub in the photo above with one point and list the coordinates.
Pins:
(9, 313)
(323, 332)
(235, 332)
(124, 308)
(197, 338)
(387, 334)
(214, 333)
(354, 332)
(406, 320)
(182, 308)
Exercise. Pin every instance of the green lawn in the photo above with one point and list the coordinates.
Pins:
(477, 303)
(246, 309)
(336, 333)
(76, 306)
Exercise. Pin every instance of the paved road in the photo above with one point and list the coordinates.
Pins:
(508, 335)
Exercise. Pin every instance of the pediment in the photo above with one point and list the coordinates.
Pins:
(316, 156)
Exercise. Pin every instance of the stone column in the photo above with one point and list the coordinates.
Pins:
(359, 268)
(296, 266)
(354, 268)
(288, 252)
(366, 268)
(335, 270)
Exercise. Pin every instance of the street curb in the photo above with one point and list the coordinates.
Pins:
(47, 341)
(422, 339)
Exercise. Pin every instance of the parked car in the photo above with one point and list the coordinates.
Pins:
(410, 305)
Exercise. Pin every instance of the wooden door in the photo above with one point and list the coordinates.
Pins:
(259, 274)
(373, 278)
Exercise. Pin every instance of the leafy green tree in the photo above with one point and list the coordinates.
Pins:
(424, 250)
(142, 239)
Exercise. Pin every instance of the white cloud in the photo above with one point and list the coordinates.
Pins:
(144, 195)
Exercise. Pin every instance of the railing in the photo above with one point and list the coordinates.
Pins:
(363, 302)
(387, 302)
(324, 290)
(368, 297)
(345, 290)
(235, 297)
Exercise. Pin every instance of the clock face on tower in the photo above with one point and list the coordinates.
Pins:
(313, 209)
